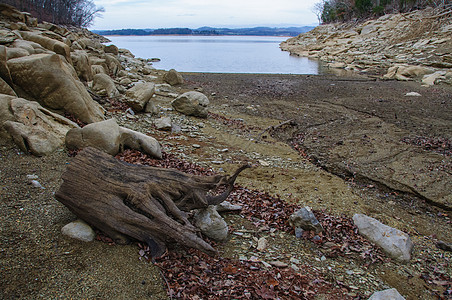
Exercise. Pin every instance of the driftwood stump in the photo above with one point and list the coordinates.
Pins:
(140, 202)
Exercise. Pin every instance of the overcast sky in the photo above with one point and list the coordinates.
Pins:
(196, 13)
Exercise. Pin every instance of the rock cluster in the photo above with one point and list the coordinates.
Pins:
(50, 73)
(405, 46)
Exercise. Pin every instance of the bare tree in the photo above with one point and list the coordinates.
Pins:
(66, 12)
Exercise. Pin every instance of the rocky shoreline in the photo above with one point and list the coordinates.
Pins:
(343, 146)
(409, 46)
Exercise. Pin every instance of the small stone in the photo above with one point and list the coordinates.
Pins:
(32, 176)
(413, 94)
(304, 218)
(227, 206)
(264, 163)
(79, 230)
(299, 232)
(196, 146)
(262, 244)
(278, 264)
(36, 184)
(163, 123)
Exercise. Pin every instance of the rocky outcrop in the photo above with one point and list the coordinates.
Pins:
(54, 83)
(377, 45)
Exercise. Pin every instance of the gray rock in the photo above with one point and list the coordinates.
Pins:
(103, 135)
(107, 136)
(79, 230)
(211, 223)
(139, 95)
(192, 104)
(33, 128)
(227, 206)
(305, 219)
(390, 294)
(163, 123)
(104, 85)
(394, 242)
(173, 77)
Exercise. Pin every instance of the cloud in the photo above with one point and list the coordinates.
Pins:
(194, 13)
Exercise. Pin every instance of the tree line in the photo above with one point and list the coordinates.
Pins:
(329, 11)
(63, 12)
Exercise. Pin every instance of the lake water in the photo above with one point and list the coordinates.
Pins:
(218, 54)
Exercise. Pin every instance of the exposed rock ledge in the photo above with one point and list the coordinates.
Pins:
(419, 41)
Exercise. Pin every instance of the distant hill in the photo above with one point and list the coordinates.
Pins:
(263, 31)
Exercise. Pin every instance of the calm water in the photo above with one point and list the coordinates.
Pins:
(218, 54)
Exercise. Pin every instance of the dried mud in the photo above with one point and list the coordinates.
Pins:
(345, 152)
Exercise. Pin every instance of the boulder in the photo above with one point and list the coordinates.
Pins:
(432, 78)
(79, 230)
(108, 137)
(390, 294)
(53, 45)
(111, 49)
(5, 114)
(394, 242)
(139, 95)
(98, 69)
(6, 89)
(33, 128)
(304, 218)
(113, 64)
(104, 136)
(104, 85)
(192, 104)
(163, 123)
(173, 77)
(54, 84)
(141, 142)
(211, 223)
(4, 70)
(82, 65)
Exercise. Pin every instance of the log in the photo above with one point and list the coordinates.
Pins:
(138, 202)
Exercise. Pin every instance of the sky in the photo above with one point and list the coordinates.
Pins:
(121, 14)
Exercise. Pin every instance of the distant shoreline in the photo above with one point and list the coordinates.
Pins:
(250, 35)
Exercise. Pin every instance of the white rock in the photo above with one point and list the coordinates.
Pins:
(394, 242)
(413, 94)
(262, 244)
(79, 230)
(390, 294)
(227, 206)
(211, 223)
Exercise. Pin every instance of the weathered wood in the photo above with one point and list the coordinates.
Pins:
(140, 202)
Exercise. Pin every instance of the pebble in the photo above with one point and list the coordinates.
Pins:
(278, 264)
(197, 146)
(36, 184)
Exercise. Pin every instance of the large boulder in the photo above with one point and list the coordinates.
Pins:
(53, 45)
(192, 104)
(141, 142)
(173, 77)
(103, 135)
(104, 85)
(33, 128)
(6, 89)
(108, 137)
(54, 83)
(394, 242)
(82, 65)
(139, 95)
